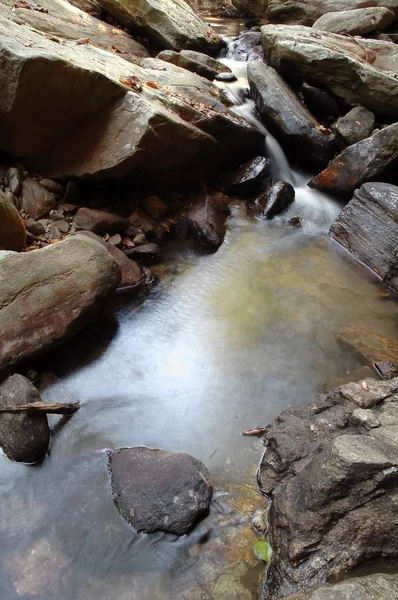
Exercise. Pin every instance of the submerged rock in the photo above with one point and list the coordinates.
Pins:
(277, 199)
(368, 228)
(12, 230)
(206, 219)
(332, 471)
(47, 296)
(355, 126)
(171, 26)
(287, 117)
(371, 346)
(359, 163)
(357, 73)
(155, 490)
(23, 438)
(355, 22)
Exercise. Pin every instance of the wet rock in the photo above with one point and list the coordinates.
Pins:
(371, 346)
(356, 73)
(174, 26)
(286, 116)
(206, 219)
(37, 201)
(54, 233)
(23, 438)
(295, 222)
(361, 162)
(319, 102)
(226, 77)
(140, 239)
(35, 227)
(14, 181)
(155, 490)
(12, 230)
(277, 199)
(380, 585)
(251, 178)
(47, 296)
(144, 253)
(99, 221)
(355, 22)
(53, 187)
(116, 240)
(197, 62)
(62, 226)
(355, 126)
(388, 370)
(354, 376)
(155, 207)
(247, 46)
(368, 227)
(331, 470)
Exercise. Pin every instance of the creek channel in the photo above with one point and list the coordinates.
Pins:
(224, 343)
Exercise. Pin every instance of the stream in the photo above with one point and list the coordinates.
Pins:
(224, 343)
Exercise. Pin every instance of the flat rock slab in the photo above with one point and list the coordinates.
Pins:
(155, 490)
(23, 438)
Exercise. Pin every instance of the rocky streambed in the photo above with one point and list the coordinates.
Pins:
(167, 269)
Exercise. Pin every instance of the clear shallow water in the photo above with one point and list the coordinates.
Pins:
(225, 343)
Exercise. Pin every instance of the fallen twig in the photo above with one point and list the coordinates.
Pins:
(255, 431)
(33, 408)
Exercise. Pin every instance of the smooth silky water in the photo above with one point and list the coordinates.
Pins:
(225, 342)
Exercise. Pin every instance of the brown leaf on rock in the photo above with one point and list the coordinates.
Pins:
(152, 84)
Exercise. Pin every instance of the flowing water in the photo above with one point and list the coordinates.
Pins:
(223, 344)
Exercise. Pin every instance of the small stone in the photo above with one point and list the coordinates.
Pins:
(63, 226)
(53, 187)
(35, 227)
(14, 181)
(12, 230)
(99, 221)
(140, 239)
(364, 417)
(145, 253)
(296, 221)
(274, 201)
(116, 240)
(155, 207)
(226, 77)
(54, 233)
(251, 178)
(37, 201)
(387, 369)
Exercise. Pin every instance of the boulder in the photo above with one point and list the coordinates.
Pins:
(275, 200)
(99, 221)
(355, 126)
(368, 227)
(23, 438)
(246, 47)
(171, 26)
(331, 471)
(251, 178)
(197, 62)
(369, 345)
(359, 163)
(12, 230)
(155, 490)
(379, 585)
(356, 22)
(286, 117)
(358, 73)
(37, 201)
(206, 219)
(319, 102)
(47, 296)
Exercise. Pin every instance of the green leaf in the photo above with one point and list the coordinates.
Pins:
(263, 551)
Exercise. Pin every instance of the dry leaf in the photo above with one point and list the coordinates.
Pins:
(152, 84)
(364, 385)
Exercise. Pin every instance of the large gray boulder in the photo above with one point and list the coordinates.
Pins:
(23, 438)
(359, 163)
(286, 117)
(331, 468)
(171, 25)
(47, 296)
(12, 230)
(359, 73)
(355, 22)
(381, 586)
(155, 490)
(368, 227)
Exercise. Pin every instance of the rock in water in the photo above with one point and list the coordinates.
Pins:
(355, 126)
(357, 73)
(12, 230)
(169, 26)
(380, 585)
(332, 471)
(355, 22)
(368, 227)
(155, 490)
(287, 117)
(23, 438)
(206, 219)
(359, 163)
(48, 295)
(275, 200)
(251, 178)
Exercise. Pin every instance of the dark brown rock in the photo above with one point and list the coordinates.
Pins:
(286, 117)
(275, 200)
(53, 187)
(155, 490)
(37, 201)
(144, 253)
(320, 103)
(12, 230)
(371, 346)
(368, 228)
(99, 221)
(35, 227)
(251, 178)
(47, 296)
(155, 207)
(359, 163)
(206, 219)
(23, 438)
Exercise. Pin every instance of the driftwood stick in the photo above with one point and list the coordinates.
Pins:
(36, 408)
